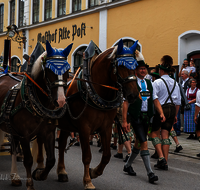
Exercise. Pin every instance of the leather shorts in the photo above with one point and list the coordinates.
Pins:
(169, 111)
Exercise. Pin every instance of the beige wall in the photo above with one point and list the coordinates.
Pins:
(156, 24)
(91, 34)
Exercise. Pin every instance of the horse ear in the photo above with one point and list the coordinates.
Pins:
(134, 46)
(67, 50)
(120, 47)
(50, 50)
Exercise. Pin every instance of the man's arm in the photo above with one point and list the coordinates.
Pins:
(197, 109)
(159, 109)
(124, 116)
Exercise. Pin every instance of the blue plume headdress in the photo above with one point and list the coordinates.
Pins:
(125, 55)
(56, 60)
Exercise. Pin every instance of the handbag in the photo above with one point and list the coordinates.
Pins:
(187, 107)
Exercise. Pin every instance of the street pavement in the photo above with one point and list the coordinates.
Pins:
(183, 173)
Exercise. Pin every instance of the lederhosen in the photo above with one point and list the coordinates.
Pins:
(169, 110)
(140, 122)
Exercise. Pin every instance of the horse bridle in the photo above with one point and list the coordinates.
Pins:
(121, 80)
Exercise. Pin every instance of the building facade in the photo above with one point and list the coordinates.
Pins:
(162, 27)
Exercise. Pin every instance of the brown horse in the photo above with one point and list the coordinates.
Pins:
(104, 70)
(35, 107)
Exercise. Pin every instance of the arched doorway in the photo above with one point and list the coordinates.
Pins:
(77, 58)
(15, 64)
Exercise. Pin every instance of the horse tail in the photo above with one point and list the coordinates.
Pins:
(2, 135)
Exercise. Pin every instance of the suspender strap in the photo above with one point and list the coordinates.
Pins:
(170, 93)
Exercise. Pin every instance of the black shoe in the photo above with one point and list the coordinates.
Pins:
(164, 167)
(126, 158)
(129, 170)
(191, 136)
(119, 155)
(91, 142)
(99, 143)
(71, 141)
(101, 150)
(198, 155)
(152, 177)
(178, 149)
(113, 146)
(77, 144)
(155, 155)
(161, 163)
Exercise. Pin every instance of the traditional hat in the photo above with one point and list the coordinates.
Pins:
(56, 60)
(125, 55)
(156, 72)
(140, 59)
(166, 63)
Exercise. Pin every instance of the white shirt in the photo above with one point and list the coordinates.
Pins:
(191, 92)
(160, 90)
(144, 107)
(193, 69)
(188, 69)
(184, 82)
(198, 99)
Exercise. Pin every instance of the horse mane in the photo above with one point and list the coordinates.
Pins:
(37, 67)
(107, 53)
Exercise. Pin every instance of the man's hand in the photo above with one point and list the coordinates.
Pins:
(195, 119)
(175, 119)
(125, 126)
(162, 118)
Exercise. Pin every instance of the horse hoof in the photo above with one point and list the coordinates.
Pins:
(92, 174)
(15, 180)
(62, 177)
(36, 174)
(89, 186)
(16, 183)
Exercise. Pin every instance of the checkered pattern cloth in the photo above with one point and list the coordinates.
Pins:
(189, 124)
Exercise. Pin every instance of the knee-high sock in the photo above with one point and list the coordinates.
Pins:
(146, 159)
(132, 157)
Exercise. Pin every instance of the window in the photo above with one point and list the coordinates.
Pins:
(36, 9)
(1, 17)
(12, 12)
(76, 5)
(129, 43)
(21, 13)
(48, 9)
(78, 58)
(61, 7)
(15, 63)
(93, 3)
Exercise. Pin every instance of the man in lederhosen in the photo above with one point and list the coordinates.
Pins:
(140, 112)
(166, 93)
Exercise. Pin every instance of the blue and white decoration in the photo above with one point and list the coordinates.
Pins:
(58, 66)
(129, 62)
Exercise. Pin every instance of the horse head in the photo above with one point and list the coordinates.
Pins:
(52, 68)
(124, 66)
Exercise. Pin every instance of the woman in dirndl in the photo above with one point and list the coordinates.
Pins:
(189, 124)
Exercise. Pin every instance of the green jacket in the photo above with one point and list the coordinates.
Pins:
(135, 108)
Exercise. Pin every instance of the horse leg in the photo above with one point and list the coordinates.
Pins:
(62, 142)
(86, 158)
(15, 178)
(105, 140)
(28, 162)
(49, 143)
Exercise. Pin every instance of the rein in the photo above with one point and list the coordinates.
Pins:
(35, 83)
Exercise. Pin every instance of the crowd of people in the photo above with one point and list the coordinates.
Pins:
(156, 114)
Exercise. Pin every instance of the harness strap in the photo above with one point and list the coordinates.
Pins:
(170, 93)
(35, 84)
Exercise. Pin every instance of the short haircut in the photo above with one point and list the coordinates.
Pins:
(185, 72)
(190, 81)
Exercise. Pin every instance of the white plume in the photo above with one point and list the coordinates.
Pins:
(139, 56)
